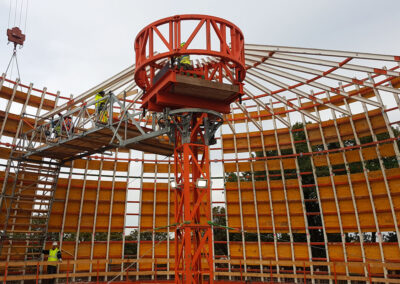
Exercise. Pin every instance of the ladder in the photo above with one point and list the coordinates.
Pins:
(26, 201)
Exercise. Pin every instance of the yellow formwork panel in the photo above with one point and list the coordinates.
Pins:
(279, 208)
(314, 134)
(281, 224)
(240, 117)
(336, 251)
(353, 156)
(284, 137)
(387, 150)
(268, 251)
(284, 251)
(236, 250)
(353, 251)
(262, 196)
(319, 160)
(274, 165)
(246, 195)
(107, 165)
(161, 168)
(83, 253)
(252, 250)
(349, 220)
(372, 252)
(336, 255)
(391, 252)
(244, 166)
(329, 132)
(369, 153)
(301, 251)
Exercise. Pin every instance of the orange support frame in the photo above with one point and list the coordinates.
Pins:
(231, 47)
(193, 234)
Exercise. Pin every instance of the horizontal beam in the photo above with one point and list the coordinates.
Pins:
(324, 52)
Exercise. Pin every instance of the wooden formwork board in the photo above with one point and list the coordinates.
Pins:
(263, 207)
(107, 165)
(12, 122)
(328, 127)
(20, 97)
(88, 209)
(365, 213)
(161, 208)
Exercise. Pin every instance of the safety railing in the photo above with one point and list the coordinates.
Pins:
(79, 121)
(270, 273)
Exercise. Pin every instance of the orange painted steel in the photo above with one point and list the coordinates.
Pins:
(193, 235)
(160, 79)
(232, 55)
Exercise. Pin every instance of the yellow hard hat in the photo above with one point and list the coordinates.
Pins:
(183, 43)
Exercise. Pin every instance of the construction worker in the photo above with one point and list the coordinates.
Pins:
(67, 125)
(56, 126)
(184, 61)
(54, 256)
(101, 110)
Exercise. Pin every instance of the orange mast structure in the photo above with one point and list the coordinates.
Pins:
(193, 99)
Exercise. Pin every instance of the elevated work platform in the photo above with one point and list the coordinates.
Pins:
(97, 140)
(174, 90)
(82, 132)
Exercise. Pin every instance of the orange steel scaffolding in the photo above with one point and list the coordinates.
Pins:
(193, 235)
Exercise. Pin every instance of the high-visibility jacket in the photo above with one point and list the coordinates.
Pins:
(185, 59)
(99, 100)
(53, 254)
(67, 123)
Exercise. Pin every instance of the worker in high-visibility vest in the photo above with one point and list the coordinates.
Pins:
(184, 60)
(101, 110)
(54, 256)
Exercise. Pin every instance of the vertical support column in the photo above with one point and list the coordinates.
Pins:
(315, 177)
(168, 217)
(153, 231)
(365, 172)
(128, 172)
(350, 187)
(139, 217)
(193, 233)
(267, 178)
(334, 191)
(95, 214)
(239, 196)
(396, 149)
(226, 208)
(253, 183)
(80, 218)
(66, 207)
(282, 170)
(303, 204)
(111, 212)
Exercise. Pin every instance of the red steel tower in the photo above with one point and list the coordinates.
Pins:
(192, 99)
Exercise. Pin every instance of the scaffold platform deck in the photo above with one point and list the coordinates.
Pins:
(97, 140)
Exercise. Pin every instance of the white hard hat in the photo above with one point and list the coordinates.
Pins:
(54, 243)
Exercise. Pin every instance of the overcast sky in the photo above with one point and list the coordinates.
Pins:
(75, 44)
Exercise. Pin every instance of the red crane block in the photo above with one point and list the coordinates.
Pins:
(15, 36)
(218, 46)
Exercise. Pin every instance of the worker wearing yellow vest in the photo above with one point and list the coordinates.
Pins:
(54, 257)
(101, 109)
(184, 60)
